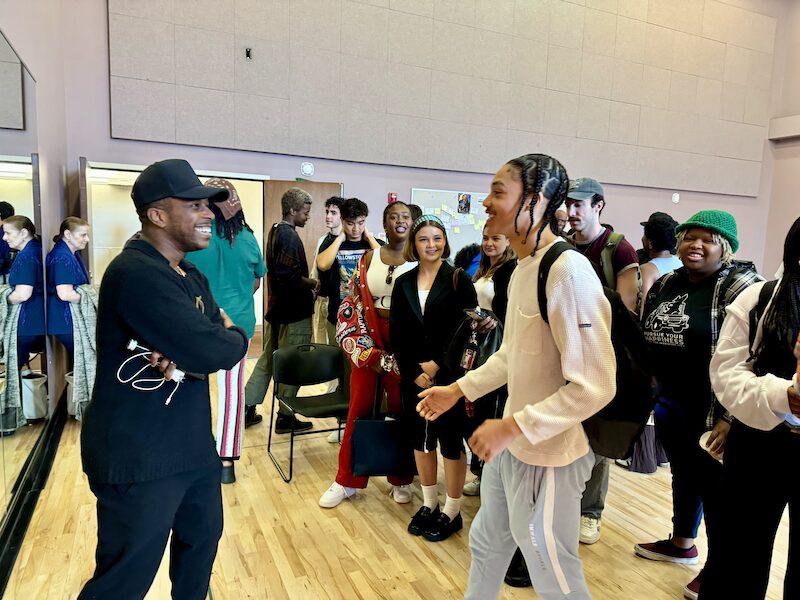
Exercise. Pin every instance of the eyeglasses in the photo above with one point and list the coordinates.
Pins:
(389, 274)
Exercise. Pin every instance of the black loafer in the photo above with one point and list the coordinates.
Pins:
(517, 574)
(283, 424)
(421, 520)
(251, 417)
(228, 474)
(442, 528)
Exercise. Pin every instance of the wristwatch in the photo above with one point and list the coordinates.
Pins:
(387, 361)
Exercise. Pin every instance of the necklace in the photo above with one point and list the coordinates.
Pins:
(179, 271)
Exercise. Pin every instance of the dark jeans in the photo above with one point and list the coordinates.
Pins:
(696, 477)
(134, 521)
(759, 480)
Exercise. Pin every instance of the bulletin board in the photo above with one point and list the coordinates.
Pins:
(461, 212)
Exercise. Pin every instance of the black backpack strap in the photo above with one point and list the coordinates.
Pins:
(757, 312)
(548, 259)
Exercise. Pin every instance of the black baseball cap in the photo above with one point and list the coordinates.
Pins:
(172, 178)
(659, 216)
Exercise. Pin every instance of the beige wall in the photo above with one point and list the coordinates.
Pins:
(78, 124)
(658, 93)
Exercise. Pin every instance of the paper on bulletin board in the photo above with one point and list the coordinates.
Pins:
(463, 227)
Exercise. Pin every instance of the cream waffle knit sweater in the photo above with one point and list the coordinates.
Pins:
(557, 375)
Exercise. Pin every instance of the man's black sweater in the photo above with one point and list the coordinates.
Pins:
(132, 435)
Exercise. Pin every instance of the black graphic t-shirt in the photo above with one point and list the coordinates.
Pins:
(677, 326)
(338, 276)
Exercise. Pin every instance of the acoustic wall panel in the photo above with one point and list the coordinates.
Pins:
(674, 93)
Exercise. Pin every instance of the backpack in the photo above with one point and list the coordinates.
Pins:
(606, 266)
(613, 430)
(756, 313)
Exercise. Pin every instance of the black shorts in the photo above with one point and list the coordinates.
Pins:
(448, 430)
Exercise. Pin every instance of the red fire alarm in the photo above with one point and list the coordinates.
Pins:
(392, 197)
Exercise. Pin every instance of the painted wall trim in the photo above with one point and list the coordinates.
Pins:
(782, 128)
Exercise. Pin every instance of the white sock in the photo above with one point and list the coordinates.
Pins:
(430, 495)
(452, 506)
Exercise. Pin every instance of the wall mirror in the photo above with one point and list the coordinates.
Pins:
(24, 402)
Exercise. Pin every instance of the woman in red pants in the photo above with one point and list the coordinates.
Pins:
(363, 333)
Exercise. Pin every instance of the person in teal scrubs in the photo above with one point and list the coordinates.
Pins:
(234, 266)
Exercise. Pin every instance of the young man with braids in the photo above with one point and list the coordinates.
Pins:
(537, 456)
(234, 266)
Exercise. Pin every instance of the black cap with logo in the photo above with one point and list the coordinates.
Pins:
(172, 178)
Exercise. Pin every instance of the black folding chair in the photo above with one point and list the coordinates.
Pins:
(306, 364)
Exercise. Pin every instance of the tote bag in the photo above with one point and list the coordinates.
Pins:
(381, 445)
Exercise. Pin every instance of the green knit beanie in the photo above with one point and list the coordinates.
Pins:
(718, 221)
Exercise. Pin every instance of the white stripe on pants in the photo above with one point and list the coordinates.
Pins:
(537, 509)
(230, 410)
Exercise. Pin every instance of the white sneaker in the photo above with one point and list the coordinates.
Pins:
(335, 494)
(335, 436)
(401, 494)
(590, 530)
(473, 488)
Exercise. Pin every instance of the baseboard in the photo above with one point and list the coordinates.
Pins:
(26, 490)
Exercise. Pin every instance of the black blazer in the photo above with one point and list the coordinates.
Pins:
(417, 338)
(501, 278)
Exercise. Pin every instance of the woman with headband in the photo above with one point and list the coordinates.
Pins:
(428, 304)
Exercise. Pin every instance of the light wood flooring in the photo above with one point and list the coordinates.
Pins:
(279, 544)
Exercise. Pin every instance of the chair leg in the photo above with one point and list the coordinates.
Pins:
(269, 445)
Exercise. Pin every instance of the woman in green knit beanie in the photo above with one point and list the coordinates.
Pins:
(682, 318)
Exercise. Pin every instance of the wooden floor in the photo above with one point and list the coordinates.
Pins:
(279, 544)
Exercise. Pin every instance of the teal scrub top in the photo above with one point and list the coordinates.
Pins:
(231, 271)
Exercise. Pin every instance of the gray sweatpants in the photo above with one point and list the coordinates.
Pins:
(537, 509)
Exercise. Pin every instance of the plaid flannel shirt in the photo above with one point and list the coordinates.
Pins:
(732, 280)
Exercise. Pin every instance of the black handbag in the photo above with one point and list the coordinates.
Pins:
(487, 344)
(381, 446)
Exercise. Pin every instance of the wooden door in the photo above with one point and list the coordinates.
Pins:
(314, 228)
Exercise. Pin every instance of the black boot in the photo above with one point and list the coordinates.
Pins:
(517, 574)
(283, 424)
(251, 417)
(228, 474)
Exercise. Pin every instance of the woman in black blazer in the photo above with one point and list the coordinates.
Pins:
(428, 304)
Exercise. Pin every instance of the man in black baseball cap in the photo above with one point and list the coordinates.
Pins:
(660, 216)
(172, 178)
(146, 442)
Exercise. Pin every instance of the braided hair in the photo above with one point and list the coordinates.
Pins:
(228, 230)
(540, 173)
(782, 319)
